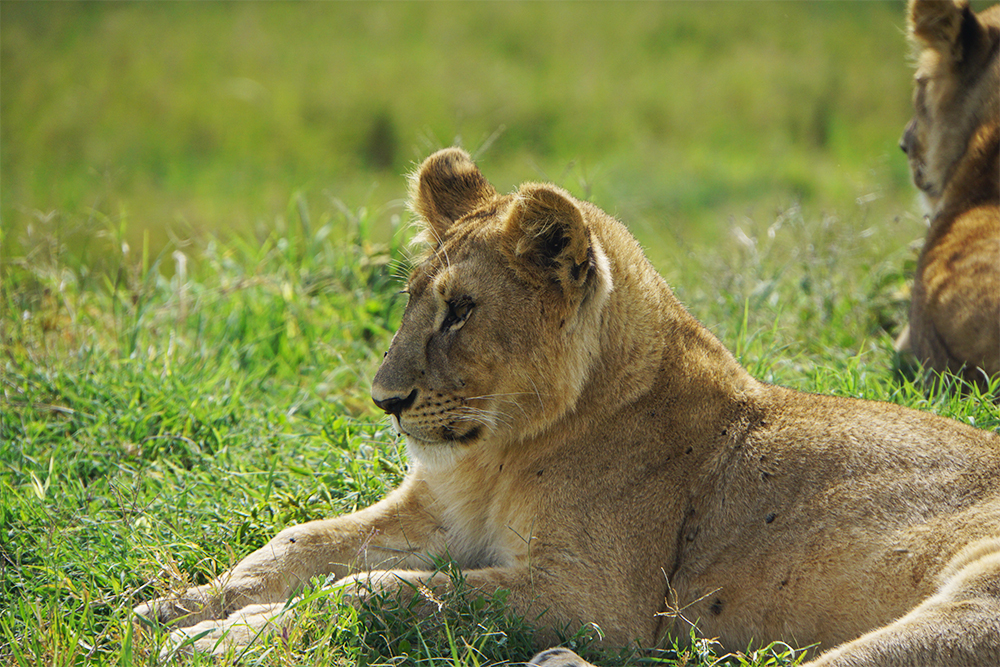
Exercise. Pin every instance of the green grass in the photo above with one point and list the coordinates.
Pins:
(202, 235)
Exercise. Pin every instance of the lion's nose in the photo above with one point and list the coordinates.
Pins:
(394, 405)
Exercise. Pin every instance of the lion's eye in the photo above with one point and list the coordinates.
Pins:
(459, 310)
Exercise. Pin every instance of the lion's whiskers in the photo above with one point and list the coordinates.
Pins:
(509, 397)
(490, 419)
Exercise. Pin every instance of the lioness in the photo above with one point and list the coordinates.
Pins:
(581, 441)
(953, 147)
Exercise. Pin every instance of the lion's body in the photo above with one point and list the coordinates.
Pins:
(953, 146)
(579, 440)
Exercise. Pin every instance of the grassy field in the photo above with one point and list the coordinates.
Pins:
(202, 234)
(193, 118)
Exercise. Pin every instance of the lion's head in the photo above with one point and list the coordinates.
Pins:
(502, 321)
(955, 96)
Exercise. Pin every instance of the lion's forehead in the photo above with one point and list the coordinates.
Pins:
(462, 265)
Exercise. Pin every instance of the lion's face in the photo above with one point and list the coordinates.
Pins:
(916, 137)
(465, 356)
(955, 88)
(505, 298)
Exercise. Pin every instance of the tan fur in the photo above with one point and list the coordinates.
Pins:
(953, 146)
(578, 439)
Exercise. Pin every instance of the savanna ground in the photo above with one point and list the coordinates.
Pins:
(203, 232)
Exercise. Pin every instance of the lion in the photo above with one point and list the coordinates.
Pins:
(578, 440)
(953, 148)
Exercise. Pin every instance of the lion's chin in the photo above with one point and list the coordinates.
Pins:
(437, 455)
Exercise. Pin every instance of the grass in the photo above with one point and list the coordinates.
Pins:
(202, 235)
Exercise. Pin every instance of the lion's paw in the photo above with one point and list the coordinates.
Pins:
(194, 605)
(364, 584)
(241, 629)
(559, 657)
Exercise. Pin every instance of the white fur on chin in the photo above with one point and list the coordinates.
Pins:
(435, 455)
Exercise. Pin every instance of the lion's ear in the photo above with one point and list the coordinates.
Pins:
(550, 234)
(945, 27)
(447, 186)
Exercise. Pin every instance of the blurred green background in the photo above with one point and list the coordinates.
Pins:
(180, 119)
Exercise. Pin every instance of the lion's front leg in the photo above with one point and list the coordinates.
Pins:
(431, 589)
(425, 592)
(552, 604)
(268, 575)
(398, 531)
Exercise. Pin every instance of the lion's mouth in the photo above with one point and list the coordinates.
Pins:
(917, 169)
(450, 435)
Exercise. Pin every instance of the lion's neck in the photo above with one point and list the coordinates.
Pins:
(976, 177)
(651, 344)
